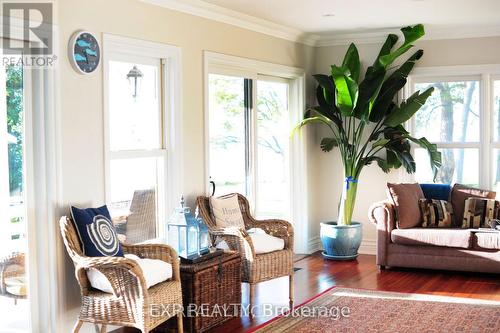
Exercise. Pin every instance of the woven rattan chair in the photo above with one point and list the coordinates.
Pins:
(256, 267)
(132, 304)
(13, 267)
(140, 224)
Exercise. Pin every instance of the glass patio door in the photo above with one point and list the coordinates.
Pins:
(14, 292)
(249, 139)
(272, 174)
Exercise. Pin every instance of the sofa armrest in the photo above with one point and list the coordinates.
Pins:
(382, 214)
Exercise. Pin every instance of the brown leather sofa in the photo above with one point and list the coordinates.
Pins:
(448, 249)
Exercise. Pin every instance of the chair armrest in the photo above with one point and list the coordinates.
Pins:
(238, 240)
(124, 275)
(120, 218)
(277, 228)
(382, 214)
(6, 271)
(156, 251)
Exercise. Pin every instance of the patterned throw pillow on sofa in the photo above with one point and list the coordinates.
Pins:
(436, 213)
(478, 212)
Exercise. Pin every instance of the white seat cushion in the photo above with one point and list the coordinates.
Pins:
(153, 270)
(265, 243)
(16, 285)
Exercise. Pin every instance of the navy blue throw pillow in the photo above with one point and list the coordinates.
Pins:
(97, 232)
(436, 191)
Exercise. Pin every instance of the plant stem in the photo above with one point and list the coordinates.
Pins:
(347, 202)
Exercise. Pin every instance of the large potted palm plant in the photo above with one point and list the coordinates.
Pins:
(366, 123)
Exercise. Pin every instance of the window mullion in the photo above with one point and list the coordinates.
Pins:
(248, 138)
(486, 127)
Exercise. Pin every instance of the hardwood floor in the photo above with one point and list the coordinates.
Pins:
(316, 275)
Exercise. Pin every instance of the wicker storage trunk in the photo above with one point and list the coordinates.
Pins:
(211, 289)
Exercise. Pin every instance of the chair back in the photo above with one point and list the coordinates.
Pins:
(206, 213)
(73, 246)
(141, 223)
(70, 238)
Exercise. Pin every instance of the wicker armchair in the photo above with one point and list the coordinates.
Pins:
(131, 303)
(256, 267)
(11, 267)
(140, 224)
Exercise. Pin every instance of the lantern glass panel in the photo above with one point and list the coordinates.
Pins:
(192, 237)
(204, 237)
(182, 242)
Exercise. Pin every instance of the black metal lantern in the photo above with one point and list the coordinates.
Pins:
(134, 77)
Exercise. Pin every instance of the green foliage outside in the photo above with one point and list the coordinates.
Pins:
(15, 114)
(228, 94)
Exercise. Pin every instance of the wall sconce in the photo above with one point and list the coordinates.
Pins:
(134, 76)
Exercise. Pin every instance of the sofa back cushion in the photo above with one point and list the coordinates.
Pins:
(436, 213)
(405, 198)
(478, 212)
(436, 191)
(459, 193)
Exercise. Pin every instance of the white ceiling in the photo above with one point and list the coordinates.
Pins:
(338, 22)
(361, 15)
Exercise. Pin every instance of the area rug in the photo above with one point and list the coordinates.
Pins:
(356, 310)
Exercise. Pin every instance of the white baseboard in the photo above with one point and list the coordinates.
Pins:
(314, 244)
(368, 246)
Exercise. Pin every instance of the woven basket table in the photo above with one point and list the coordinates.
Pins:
(211, 291)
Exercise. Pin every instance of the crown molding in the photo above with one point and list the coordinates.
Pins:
(379, 36)
(228, 16)
(365, 37)
(217, 13)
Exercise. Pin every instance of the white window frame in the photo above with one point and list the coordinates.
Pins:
(485, 75)
(171, 115)
(217, 63)
(46, 269)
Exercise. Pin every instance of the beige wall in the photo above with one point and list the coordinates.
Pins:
(82, 110)
(372, 182)
(81, 104)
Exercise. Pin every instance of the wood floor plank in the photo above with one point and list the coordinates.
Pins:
(317, 274)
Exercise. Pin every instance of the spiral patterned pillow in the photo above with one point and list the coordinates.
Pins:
(96, 232)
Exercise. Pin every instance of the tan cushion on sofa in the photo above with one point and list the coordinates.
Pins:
(434, 237)
(487, 240)
(459, 193)
(405, 198)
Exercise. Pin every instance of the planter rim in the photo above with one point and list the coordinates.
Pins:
(333, 224)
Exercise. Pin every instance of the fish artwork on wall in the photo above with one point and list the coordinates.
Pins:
(84, 52)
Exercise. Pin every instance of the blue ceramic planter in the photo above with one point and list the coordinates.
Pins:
(341, 242)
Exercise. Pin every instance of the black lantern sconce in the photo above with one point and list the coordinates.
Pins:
(134, 76)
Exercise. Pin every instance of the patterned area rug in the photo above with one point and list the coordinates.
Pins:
(356, 310)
